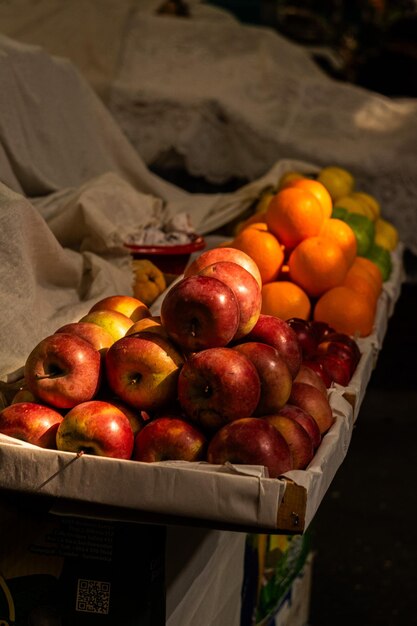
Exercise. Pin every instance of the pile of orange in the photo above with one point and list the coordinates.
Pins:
(308, 260)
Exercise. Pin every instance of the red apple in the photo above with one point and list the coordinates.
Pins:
(218, 385)
(276, 332)
(98, 428)
(306, 336)
(98, 336)
(200, 312)
(302, 417)
(298, 439)
(313, 402)
(114, 322)
(224, 253)
(31, 422)
(338, 369)
(169, 438)
(251, 441)
(321, 329)
(341, 345)
(315, 364)
(128, 305)
(246, 289)
(63, 370)
(143, 370)
(275, 377)
(308, 375)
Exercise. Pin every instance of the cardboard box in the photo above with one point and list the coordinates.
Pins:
(78, 571)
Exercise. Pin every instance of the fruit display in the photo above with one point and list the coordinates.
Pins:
(323, 248)
(211, 378)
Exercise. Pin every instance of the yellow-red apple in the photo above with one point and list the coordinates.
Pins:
(63, 370)
(143, 370)
(31, 422)
(116, 323)
(98, 428)
(128, 305)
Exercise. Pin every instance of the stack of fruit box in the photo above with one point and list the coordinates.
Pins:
(72, 571)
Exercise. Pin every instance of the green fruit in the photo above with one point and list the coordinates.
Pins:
(340, 213)
(382, 258)
(364, 230)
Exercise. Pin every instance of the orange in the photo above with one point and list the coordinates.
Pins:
(343, 234)
(361, 283)
(318, 190)
(317, 264)
(372, 269)
(285, 299)
(263, 247)
(363, 265)
(293, 215)
(346, 311)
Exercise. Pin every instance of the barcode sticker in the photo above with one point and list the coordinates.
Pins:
(93, 596)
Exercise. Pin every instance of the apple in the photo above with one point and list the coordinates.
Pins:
(98, 336)
(305, 419)
(217, 386)
(142, 370)
(151, 324)
(321, 329)
(224, 253)
(200, 312)
(316, 365)
(306, 336)
(298, 439)
(277, 333)
(338, 369)
(251, 441)
(31, 422)
(341, 345)
(116, 323)
(63, 370)
(308, 375)
(246, 289)
(128, 305)
(273, 372)
(98, 428)
(313, 402)
(24, 395)
(137, 419)
(169, 438)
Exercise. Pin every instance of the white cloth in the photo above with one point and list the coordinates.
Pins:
(226, 99)
(42, 284)
(72, 190)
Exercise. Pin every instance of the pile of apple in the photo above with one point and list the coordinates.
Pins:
(209, 379)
